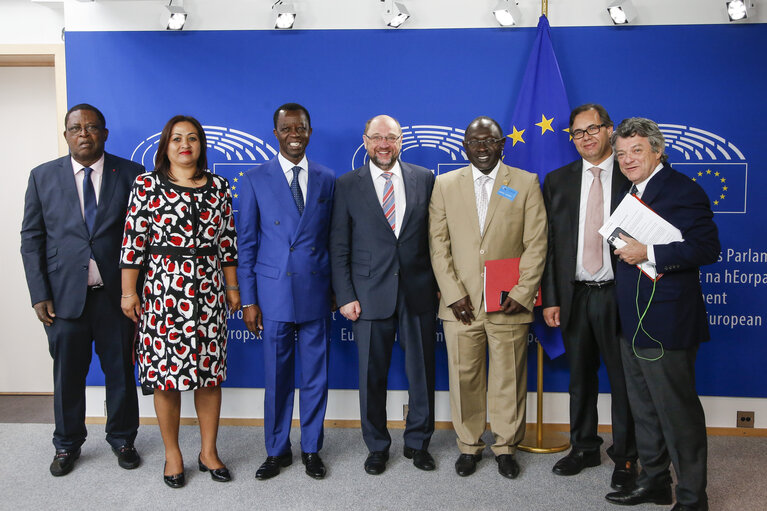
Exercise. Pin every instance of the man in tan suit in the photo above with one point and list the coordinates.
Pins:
(483, 212)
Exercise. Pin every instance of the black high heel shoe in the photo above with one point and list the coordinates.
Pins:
(174, 481)
(220, 475)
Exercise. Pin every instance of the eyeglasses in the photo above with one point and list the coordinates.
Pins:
(377, 139)
(591, 130)
(483, 143)
(89, 128)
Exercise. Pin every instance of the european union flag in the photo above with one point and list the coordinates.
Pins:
(725, 183)
(540, 135)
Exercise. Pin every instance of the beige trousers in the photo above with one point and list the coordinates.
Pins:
(478, 391)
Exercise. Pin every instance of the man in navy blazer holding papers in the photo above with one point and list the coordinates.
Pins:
(71, 234)
(284, 276)
(659, 350)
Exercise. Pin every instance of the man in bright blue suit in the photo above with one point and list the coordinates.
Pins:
(664, 321)
(284, 276)
(71, 234)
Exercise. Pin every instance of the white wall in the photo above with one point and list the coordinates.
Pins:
(364, 14)
(27, 22)
(28, 137)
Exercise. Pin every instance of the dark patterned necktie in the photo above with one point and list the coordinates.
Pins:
(298, 196)
(89, 200)
(634, 190)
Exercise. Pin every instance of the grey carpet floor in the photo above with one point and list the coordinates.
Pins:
(737, 477)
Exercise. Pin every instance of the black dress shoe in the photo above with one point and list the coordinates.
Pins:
(575, 461)
(466, 464)
(220, 475)
(271, 467)
(375, 463)
(64, 461)
(127, 456)
(421, 458)
(174, 481)
(641, 495)
(507, 465)
(314, 466)
(624, 476)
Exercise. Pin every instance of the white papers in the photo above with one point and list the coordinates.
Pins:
(635, 218)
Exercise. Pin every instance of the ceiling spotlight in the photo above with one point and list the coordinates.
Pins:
(284, 14)
(507, 13)
(622, 12)
(737, 10)
(176, 17)
(395, 13)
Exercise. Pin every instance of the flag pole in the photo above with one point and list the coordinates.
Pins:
(537, 438)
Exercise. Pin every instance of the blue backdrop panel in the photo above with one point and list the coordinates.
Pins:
(696, 81)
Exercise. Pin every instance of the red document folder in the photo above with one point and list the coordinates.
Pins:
(501, 275)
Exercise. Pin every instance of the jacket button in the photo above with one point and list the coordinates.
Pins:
(313, 249)
(292, 249)
(276, 222)
(288, 274)
(192, 251)
(482, 251)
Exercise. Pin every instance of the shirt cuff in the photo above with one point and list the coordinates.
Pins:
(651, 254)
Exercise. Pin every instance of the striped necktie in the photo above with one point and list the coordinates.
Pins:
(389, 208)
(89, 200)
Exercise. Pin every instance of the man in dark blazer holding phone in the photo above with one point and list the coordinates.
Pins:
(71, 234)
(382, 277)
(659, 350)
(579, 293)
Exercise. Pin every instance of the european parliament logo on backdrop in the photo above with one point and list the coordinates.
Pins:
(230, 153)
(713, 162)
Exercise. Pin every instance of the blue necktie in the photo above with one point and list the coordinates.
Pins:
(296, 191)
(89, 200)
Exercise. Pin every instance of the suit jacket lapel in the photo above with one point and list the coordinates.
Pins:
(500, 180)
(68, 188)
(411, 192)
(312, 194)
(370, 198)
(281, 190)
(466, 191)
(619, 188)
(655, 185)
(573, 206)
(108, 182)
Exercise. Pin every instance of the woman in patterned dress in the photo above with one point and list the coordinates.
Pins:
(180, 232)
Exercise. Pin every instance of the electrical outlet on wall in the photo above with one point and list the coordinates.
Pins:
(745, 420)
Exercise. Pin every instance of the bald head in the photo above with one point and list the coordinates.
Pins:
(383, 140)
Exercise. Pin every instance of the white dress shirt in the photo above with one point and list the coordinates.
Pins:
(587, 178)
(400, 202)
(303, 174)
(476, 175)
(94, 276)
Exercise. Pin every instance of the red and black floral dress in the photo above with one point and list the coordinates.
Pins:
(181, 238)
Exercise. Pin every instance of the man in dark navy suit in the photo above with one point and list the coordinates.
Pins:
(74, 215)
(579, 293)
(660, 348)
(384, 284)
